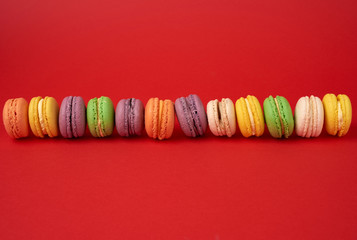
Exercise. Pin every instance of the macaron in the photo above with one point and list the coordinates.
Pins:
(72, 117)
(159, 118)
(15, 117)
(309, 117)
(338, 114)
(278, 116)
(129, 117)
(43, 116)
(100, 116)
(221, 117)
(250, 116)
(191, 115)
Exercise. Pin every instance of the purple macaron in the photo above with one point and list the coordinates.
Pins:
(129, 117)
(72, 117)
(191, 115)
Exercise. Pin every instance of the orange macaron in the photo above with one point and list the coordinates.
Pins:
(159, 118)
(15, 117)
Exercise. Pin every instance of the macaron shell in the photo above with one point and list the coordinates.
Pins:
(64, 117)
(15, 117)
(51, 109)
(119, 118)
(167, 120)
(212, 116)
(331, 113)
(272, 117)
(346, 108)
(92, 117)
(33, 117)
(78, 117)
(138, 117)
(302, 116)
(184, 116)
(287, 115)
(243, 117)
(106, 115)
(257, 115)
(7, 118)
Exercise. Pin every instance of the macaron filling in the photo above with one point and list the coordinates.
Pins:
(280, 117)
(308, 120)
(41, 116)
(73, 118)
(340, 116)
(132, 129)
(155, 117)
(129, 117)
(132, 117)
(314, 115)
(126, 117)
(223, 109)
(197, 125)
(251, 118)
(69, 117)
(99, 125)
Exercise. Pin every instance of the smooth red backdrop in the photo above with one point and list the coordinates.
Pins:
(182, 188)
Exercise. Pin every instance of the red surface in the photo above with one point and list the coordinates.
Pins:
(206, 188)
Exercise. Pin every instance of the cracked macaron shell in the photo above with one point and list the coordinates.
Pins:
(15, 117)
(103, 109)
(272, 118)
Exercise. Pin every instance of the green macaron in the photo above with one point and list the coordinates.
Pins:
(278, 116)
(100, 116)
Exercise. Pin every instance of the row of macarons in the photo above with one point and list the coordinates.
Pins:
(44, 116)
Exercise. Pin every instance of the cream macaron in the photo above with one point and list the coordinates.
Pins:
(221, 117)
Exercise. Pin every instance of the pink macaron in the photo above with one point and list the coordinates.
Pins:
(309, 117)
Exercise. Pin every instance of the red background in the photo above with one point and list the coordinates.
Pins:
(206, 188)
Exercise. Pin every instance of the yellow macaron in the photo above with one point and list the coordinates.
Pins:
(250, 116)
(43, 116)
(338, 114)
